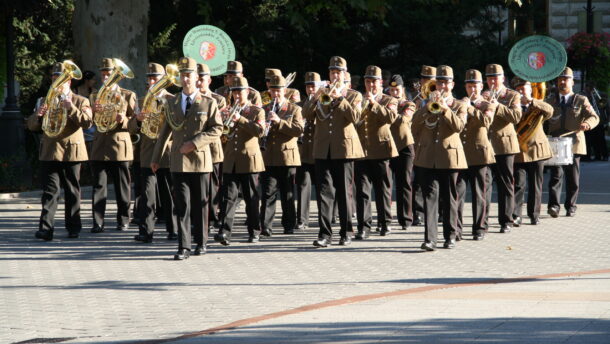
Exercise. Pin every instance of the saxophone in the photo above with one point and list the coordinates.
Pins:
(56, 116)
(110, 99)
(157, 107)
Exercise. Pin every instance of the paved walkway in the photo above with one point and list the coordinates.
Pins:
(551, 283)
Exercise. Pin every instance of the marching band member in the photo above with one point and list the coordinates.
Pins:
(111, 153)
(194, 123)
(439, 155)
(336, 145)
(378, 113)
(61, 153)
(402, 165)
(531, 161)
(281, 155)
(479, 155)
(504, 140)
(292, 94)
(306, 172)
(242, 163)
(572, 116)
(215, 147)
(235, 68)
(427, 74)
(151, 182)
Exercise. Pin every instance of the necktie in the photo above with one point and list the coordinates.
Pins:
(523, 108)
(188, 105)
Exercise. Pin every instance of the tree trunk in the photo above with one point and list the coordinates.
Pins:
(112, 28)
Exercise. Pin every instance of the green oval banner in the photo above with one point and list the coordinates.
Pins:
(210, 45)
(537, 58)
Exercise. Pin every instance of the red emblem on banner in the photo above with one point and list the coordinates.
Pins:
(536, 60)
(207, 50)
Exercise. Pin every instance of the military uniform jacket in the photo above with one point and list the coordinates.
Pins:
(70, 144)
(202, 125)
(502, 130)
(115, 145)
(438, 144)
(578, 111)
(242, 151)
(254, 97)
(479, 150)
(538, 147)
(146, 144)
(216, 146)
(282, 148)
(335, 136)
(306, 145)
(401, 127)
(374, 128)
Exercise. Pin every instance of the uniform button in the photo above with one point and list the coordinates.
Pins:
(436, 141)
(309, 141)
(330, 131)
(330, 125)
(464, 142)
(465, 129)
(331, 117)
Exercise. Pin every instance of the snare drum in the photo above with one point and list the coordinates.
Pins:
(562, 151)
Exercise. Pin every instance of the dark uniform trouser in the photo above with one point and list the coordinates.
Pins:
(373, 173)
(535, 176)
(232, 184)
(572, 176)
(334, 179)
(402, 166)
(417, 198)
(136, 176)
(305, 175)
(191, 191)
(506, 188)
(119, 171)
(215, 182)
(147, 202)
(478, 178)
(56, 174)
(164, 185)
(278, 179)
(435, 184)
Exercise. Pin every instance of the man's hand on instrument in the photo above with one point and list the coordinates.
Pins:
(585, 126)
(273, 117)
(120, 117)
(97, 107)
(154, 166)
(42, 110)
(67, 103)
(187, 147)
(141, 116)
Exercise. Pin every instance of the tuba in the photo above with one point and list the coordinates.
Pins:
(56, 117)
(528, 125)
(157, 107)
(111, 100)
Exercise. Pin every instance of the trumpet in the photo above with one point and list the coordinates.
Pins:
(274, 109)
(229, 125)
(434, 106)
(338, 87)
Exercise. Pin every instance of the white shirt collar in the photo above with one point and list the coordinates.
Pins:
(567, 97)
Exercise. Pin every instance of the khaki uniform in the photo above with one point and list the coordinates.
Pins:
(530, 164)
(438, 154)
(111, 153)
(60, 166)
(281, 157)
(374, 128)
(70, 144)
(216, 146)
(478, 148)
(338, 117)
(306, 141)
(202, 126)
(439, 146)
(115, 145)
(373, 171)
(577, 110)
(282, 147)
(401, 127)
(402, 165)
(502, 130)
(242, 151)
(292, 94)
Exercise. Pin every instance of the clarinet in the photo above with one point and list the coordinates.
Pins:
(263, 144)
